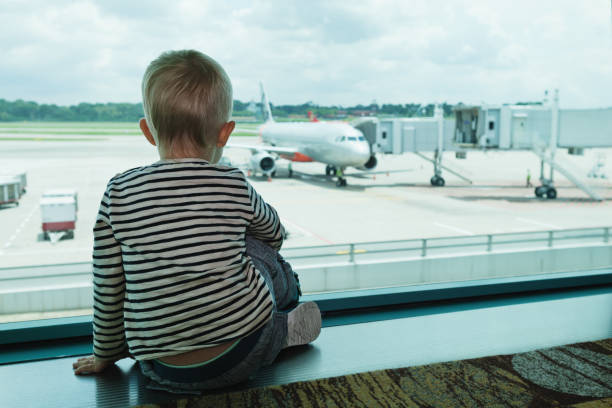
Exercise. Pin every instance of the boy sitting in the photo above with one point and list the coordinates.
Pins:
(187, 277)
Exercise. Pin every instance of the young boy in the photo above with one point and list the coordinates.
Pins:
(187, 277)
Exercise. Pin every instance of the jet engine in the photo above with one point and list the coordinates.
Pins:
(370, 164)
(263, 162)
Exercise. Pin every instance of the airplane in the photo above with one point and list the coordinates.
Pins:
(336, 144)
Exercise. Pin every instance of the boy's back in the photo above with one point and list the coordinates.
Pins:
(177, 229)
(175, 277)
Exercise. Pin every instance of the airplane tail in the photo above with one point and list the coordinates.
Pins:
(265, 105)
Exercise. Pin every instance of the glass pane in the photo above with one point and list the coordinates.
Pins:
(410, 80)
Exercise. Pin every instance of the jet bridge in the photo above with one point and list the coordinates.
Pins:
(415, 135)
(539, 128)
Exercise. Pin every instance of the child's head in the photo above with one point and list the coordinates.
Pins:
(187, 101)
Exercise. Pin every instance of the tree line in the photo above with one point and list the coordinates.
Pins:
(21, 110)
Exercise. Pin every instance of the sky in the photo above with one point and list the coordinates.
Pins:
(327, 52)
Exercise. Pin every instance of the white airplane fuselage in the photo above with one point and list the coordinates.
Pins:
(334, 143)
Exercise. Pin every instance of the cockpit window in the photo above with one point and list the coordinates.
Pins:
(361, 138)
(343, 138)
(352, 139)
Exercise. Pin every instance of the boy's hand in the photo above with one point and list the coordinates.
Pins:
(90, 365)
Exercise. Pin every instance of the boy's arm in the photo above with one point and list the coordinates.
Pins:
(109, 290)
(265, 225)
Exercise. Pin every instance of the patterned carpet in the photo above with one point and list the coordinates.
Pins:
(578, 375)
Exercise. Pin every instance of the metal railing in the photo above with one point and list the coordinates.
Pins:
(364, 251)
(458, 245)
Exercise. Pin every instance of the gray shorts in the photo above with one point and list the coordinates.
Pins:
(284, 286)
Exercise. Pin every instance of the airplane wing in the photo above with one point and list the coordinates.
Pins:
(264, 148)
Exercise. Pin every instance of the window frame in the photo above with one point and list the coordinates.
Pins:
(60, 337)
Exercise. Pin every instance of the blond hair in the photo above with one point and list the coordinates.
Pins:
(187, 98)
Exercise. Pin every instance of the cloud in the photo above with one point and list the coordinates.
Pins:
(327, 52)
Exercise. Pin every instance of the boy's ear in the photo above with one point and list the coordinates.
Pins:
(144, 127)
(225, 133)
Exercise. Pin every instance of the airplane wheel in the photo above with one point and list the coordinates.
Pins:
(437, 181)
(540, 191)
(551, 193)
(341, 183)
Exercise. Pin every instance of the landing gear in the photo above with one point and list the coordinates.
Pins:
(330, 170)
(341, 182)
(289, 170)
(437, 181)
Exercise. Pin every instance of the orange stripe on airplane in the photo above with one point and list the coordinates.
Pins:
(297, 157)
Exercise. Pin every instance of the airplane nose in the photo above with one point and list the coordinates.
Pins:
(363, 151)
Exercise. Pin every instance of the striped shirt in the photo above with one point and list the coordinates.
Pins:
(170, 268)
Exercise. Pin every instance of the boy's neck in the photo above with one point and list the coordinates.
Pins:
(208, 155)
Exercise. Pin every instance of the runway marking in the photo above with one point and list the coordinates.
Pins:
(538, 223)
(297, 227)
(456, 229)
(305, 231)
(8, 243)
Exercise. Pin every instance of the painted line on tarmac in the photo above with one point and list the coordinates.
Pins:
(456, 229)
(538, 223)
(12, 238)
(297, 227)
(305, 231)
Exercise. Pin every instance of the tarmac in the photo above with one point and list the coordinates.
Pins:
(394, 202)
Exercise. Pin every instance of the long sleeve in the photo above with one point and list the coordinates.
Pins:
(265, 225)
(109, 289)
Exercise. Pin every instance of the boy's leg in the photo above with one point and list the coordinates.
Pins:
(293, 323)
(280, 277)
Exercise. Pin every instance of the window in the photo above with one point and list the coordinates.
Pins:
(70, 105)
